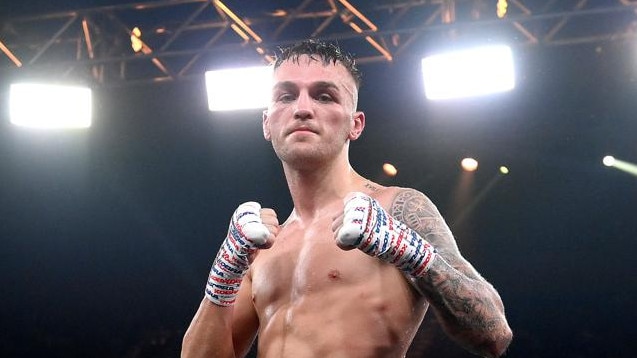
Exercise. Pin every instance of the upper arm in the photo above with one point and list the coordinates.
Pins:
(245, 322)
(419, 213)
(469, 308)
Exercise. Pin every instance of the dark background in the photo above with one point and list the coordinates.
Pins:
(107, 234)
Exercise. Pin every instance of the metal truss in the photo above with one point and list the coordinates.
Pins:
(181, 39)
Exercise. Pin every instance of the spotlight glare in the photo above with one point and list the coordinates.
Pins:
(390, 170)
(239, 88)
(627, 167)
(469, 164)
(50, 106)
(467, 73)
(608, 160)
(504, 170)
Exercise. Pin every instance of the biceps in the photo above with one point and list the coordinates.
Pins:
(420, 214)
(431, 226)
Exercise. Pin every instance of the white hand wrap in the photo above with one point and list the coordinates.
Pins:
(368, 227)
(246, 233)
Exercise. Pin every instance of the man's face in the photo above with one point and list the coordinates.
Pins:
(312, 113)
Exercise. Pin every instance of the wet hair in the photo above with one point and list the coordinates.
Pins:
(327, 53)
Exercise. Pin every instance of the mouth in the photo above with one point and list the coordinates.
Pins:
(302, 130)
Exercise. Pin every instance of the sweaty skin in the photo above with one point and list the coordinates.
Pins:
(306, 297)
(314, 299)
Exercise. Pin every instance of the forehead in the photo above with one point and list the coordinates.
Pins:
(309, 70)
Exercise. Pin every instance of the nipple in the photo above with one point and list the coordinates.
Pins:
(334, 275)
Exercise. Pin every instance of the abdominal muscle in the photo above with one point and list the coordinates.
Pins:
(316, 300)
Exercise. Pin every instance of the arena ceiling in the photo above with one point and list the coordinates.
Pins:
(182, 38)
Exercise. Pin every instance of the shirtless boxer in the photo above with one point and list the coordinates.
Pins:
(353, 269)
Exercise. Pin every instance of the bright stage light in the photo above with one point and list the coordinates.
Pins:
(390, 170)
(608, 160)
(239, 88)
(469, 164)
(467, 73)
(622, 165)
(501, 8)
(50, 106)
(135, 40)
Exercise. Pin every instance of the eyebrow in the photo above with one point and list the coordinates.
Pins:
(325, 85)
(286, 85)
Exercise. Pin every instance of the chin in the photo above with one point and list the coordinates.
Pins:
(303, 159)
(303, 162)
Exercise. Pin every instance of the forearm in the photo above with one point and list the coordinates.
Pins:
(418, 242)
(209, 333)
(225, 323)
(469, 308)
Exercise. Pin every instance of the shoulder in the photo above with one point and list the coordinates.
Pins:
(411, 206)
(395, 198)
(401, 202)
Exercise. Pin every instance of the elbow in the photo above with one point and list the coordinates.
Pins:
(498, 344)
(185, 346)
(190, 348)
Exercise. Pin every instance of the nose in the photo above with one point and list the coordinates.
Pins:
(303, 108)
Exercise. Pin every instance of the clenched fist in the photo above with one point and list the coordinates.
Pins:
(365, 225)
(251, 228)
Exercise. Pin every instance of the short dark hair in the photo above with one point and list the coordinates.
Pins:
(326, 52)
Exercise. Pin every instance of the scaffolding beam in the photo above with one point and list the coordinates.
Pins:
(189, 36)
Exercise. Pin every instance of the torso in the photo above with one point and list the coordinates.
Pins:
(316, 300)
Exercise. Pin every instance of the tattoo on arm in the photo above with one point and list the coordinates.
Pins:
(453, 286)
(418, 212)
(472, 311)
(421, 215)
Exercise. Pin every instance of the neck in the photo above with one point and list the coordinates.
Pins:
(314, 190)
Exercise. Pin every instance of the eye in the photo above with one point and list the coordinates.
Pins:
(325, 98)
(285, 97)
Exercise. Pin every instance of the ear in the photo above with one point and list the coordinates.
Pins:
(358, 125)
(266, 126)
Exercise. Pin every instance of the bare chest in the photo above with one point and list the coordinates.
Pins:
(304, 262)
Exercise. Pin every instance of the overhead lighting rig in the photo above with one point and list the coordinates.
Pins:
(184, 38)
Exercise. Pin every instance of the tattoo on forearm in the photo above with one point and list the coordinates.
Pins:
(468, 308)
(452, 285)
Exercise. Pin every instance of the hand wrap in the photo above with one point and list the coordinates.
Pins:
(368, 227)
(246, 233)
